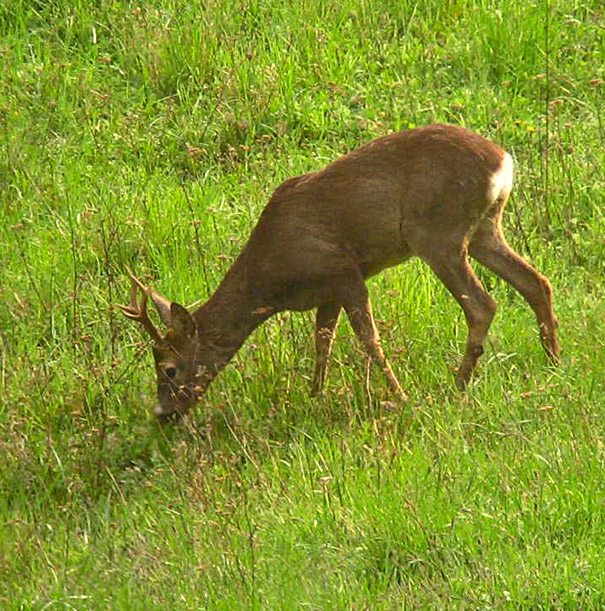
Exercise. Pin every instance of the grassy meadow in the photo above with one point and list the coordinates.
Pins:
(151, 135)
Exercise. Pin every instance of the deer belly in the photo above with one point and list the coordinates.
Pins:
(306, 298)
(375, 266)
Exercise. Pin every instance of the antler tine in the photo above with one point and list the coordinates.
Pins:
(138, 311)
(136, 281)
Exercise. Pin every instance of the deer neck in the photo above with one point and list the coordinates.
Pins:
(226, 320)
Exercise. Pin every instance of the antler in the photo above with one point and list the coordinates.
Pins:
(138, 311)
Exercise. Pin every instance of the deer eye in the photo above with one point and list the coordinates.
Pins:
(170, 371)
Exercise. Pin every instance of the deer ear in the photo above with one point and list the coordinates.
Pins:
(162, 305)
(181, 321)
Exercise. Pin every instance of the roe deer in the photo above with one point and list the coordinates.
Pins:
(435, 192)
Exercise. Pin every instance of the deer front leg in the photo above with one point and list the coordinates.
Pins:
(325, 324)
(359, 311)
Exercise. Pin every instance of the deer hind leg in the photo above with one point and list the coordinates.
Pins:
(359, 311)
(325, 324)
(452, 268)
(488, 245)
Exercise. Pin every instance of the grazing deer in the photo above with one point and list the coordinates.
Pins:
(435, 192)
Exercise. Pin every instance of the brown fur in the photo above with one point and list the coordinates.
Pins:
(435, 192)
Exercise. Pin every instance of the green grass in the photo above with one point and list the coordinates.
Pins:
(151, 136)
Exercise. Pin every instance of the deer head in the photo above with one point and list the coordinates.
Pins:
(174, 352)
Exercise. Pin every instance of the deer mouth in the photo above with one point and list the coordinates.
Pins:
(168, 418)
(181, 400)
(172, 414)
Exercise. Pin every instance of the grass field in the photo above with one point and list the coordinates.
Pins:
(151, 135)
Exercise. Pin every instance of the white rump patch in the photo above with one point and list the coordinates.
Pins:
(501, 182)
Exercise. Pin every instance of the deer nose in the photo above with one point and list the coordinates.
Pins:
(160, 412)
